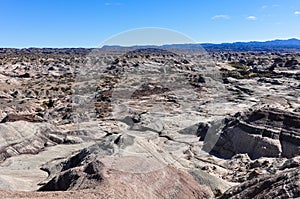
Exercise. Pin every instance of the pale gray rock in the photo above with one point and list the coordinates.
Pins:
(23, 137)
(217, 185)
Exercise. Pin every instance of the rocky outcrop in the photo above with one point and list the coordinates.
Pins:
(90, 170)
(261, 133)
(22, 137)
(285, 184)
(16, 117)
(76, 178)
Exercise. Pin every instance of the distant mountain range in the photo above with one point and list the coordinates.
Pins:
(274, 45)
(289, 45)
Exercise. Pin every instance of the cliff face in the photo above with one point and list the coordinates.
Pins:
(261, 133)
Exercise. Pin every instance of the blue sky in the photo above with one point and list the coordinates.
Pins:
(87, 23)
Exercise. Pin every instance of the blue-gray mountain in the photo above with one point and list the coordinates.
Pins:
(274, 45)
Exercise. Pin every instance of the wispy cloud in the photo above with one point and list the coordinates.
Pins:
(251, 17)
(220, 17)
(113, 4)
(264, 7)
(297, 12)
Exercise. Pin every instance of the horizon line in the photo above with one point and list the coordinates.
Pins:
(136, 45)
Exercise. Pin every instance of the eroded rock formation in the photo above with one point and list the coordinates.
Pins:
(261, 133)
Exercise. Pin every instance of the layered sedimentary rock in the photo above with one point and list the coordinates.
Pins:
(261, 133)
(27, 138)
(284, 184)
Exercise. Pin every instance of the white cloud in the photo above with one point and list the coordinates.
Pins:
(251, 17)
(113, 4)
(220, 17)
(297, 12)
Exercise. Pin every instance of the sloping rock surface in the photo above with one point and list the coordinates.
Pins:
(27, 138)
(89, 170)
